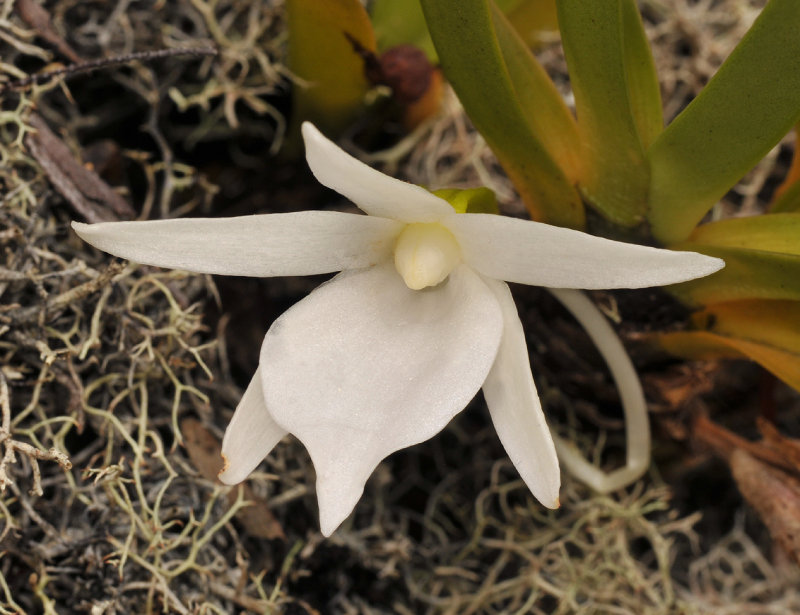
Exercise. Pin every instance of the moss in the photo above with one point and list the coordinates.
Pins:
(105, 373)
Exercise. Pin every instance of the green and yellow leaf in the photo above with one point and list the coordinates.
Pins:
(770, 232)
(331, 87)
(788, 201)
(765, 331)
(543, 107)
(747, 274)
(787, 195)
(470, 200)
(703, 345)
(536, 21)
(746, 108)
(617, 101)
(762, 259)
(401, 22)
(475, 65)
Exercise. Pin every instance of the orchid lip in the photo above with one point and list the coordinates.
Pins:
(425, 254)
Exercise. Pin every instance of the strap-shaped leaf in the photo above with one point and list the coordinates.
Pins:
(746, 108)
(763, 330)
(540, 101)
(640, 72)
(787, 195)
(536, 21)
(706, 345)
(788, 201)
(770, 232)
(747, 274)
(465, 39)
(399, 22)
(776, 323)
(333, 85)
(762, 259)
(617, 102)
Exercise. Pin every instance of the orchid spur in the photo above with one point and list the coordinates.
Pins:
(382, 356)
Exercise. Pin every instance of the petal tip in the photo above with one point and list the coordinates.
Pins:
(716, 264)
(331, 517)
(309, 132)
(548, 495)
(327, 529)
(700, 265)
(336, 501)
(80, 228)
(226, 465)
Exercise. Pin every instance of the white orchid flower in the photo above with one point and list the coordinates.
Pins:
(386, 353)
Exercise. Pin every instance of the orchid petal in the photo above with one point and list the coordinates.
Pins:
(515, 408)
(250, 435)
(542, 255)
(301, 243)
(375, 193)
(364, 366)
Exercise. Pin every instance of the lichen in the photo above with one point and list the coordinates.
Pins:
(103, 361)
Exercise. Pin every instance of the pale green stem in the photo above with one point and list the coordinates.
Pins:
(637, 424)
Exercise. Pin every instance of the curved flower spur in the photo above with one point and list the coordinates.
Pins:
(382, 356)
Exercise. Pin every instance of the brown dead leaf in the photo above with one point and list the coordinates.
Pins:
(724, 443)
(775, 495)
(84, 189)
(767, 474)
(205, 453)
(675, 388)
(202, 447)
(257, 519)
(37, 17)
(788, 448)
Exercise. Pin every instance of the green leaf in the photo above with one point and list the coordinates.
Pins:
(541, 103)
(617, 102)
(769, 232)
(762, 259)
(746, 108)
(399, 22)
(644, 90)
(787, 195)
(536, 21)
(470, 200)
(508, 6)
(705, 345)
(762, 330)
(474, 64)
(747, 274)
(788, 201)
(759, 320)
(333, 83)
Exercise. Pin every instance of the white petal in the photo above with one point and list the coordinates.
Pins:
(250, 436)
(543, 255)
(375, 193)
(302, 243)
(516, 410)
(364, 366)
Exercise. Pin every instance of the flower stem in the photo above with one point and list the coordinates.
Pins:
(637, 424)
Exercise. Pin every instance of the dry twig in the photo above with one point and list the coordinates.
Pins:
(11, 447)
